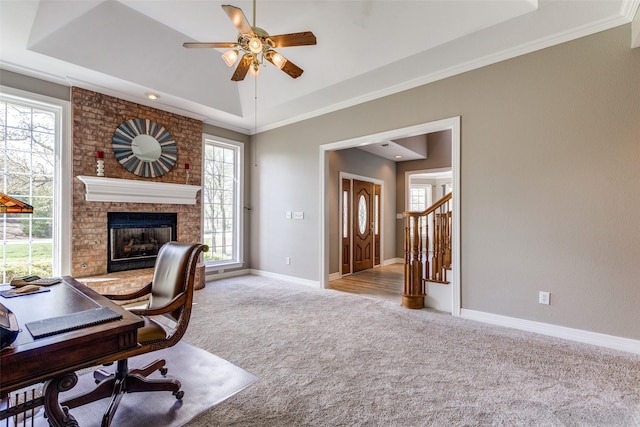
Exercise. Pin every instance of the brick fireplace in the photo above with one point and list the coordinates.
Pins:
(95, 118)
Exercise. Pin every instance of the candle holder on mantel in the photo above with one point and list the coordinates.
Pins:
(100, 163)
(186, 169)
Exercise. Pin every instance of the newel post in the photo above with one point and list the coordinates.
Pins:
(413, 295)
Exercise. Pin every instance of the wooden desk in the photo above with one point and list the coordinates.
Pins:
(55, 358)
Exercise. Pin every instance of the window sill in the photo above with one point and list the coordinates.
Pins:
(222, 267)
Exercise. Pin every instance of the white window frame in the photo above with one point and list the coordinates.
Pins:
(63, 174)
(238, 211)
(426, 190)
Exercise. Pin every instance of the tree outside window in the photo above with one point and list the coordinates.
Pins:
(27, 162)
(221, 200)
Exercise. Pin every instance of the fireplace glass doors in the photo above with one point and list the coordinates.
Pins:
(135, 238)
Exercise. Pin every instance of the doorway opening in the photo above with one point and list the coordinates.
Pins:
(452, 124)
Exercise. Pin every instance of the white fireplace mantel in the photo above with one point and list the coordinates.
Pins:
(100, 189)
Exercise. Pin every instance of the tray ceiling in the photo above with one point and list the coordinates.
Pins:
(366, 48)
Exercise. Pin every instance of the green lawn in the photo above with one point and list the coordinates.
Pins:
(19, 253)
(16, 259)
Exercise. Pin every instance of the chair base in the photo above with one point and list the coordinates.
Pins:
(124, 381)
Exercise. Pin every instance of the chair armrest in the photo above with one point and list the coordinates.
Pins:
(145, 290)
(173, 305)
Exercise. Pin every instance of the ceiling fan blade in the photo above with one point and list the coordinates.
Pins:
(292, 69)
(238, 18)
(294, 39)
(242, 68)
(289, 67)
(210, 45)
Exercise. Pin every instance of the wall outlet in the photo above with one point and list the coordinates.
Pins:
(543, 298)
(287, 260)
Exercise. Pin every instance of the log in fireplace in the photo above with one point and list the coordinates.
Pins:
(134, 238)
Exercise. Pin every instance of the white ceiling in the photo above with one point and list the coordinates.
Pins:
(366, 48)
(399, 150)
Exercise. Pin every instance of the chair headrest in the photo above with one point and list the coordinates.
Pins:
(171, 272)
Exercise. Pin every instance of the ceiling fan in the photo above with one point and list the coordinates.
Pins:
(256, 45)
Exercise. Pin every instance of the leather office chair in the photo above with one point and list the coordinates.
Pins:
(170, 298)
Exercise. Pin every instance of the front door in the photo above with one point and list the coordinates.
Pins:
(363, 249)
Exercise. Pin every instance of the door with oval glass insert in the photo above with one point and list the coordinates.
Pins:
(363, 251)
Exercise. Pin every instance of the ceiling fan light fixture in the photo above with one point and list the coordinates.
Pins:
(278, 60)
(230, 57)
(255, 45)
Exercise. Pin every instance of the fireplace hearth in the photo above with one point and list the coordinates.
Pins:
(134, 238)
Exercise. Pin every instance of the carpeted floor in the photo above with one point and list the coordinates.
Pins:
(205, 378)
(325, 358)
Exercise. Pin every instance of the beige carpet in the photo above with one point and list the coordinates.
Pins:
(325, 358)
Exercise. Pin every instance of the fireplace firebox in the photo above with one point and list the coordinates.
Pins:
(134, 238)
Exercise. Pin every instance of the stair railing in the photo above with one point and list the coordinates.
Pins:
(427, 251)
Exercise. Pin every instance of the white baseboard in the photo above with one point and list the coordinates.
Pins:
(393, 261)
(217, 276)
(594, 338)
(335, 276)
(310, 283)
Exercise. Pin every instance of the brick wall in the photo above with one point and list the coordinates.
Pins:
(95, 118)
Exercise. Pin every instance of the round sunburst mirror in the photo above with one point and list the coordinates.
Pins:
(144, 148)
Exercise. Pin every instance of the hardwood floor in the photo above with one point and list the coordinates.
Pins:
(381, 282)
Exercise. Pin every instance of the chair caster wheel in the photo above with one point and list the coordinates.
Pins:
(163, 371)
(178, 394)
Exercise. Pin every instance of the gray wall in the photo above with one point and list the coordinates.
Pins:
(29, 84)
(550, 164)
(358, 162)
(284, 177)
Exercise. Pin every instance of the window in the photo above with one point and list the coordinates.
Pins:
(345, 214)
(222, 198)
(419, 197)
(376, 220)
(30, 162)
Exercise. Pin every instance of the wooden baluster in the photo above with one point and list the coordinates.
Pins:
(427, 264)
(417, 235)
(443, 245)
(407, 255)
(436, 241)
(424, 250)
(447, 255)
(415, 262)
